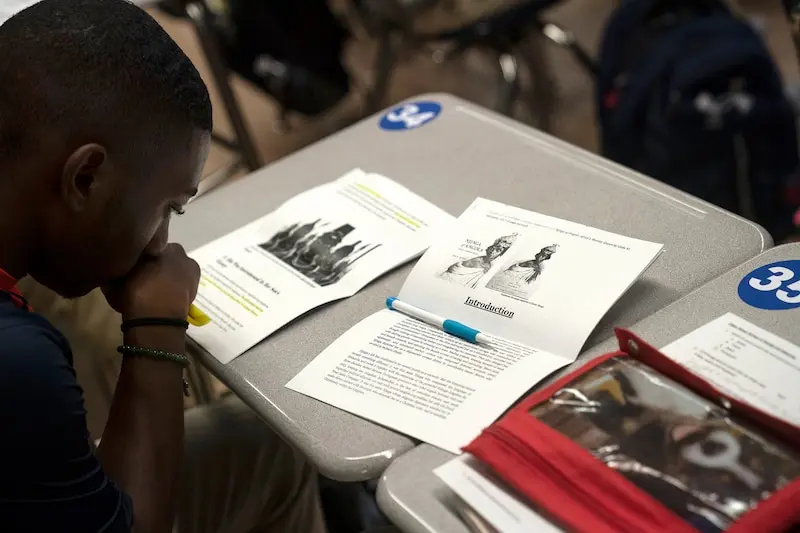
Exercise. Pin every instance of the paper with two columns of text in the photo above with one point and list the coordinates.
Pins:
(324, 244)
(536, 285)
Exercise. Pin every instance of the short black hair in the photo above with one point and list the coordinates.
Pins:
(95, 68)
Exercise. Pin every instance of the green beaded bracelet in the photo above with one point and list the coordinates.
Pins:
(180, 359)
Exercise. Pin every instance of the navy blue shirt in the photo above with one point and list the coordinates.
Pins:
(50, 479)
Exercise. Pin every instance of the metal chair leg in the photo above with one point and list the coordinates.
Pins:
(541, 97)
(384, 65)
(198, 14)
(508, 87)
(565, 38)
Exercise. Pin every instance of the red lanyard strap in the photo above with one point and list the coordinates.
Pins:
(8, 285)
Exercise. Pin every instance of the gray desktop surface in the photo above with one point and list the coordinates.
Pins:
(418, 502)
(464, 153)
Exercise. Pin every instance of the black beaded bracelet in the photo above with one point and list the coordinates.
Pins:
(153, 321)
(159, 355)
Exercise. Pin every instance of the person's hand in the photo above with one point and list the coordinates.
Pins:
(158, 287)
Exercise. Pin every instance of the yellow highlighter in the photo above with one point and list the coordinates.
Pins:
(197, 317)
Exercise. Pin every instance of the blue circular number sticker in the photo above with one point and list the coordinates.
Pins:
(410, 116)
(775, 287)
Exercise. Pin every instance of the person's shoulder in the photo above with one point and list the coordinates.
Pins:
(49, 475)
(29, 344)
(16, 322)
(37, 379)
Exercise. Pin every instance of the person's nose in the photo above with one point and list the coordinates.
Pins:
(159, 240)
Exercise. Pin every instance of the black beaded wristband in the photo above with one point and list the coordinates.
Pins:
(153, 321)
(159, 355)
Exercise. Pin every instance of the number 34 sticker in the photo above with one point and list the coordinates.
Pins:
(775, 286)
(410, 116)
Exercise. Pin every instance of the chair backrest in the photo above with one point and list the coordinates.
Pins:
(291, 50)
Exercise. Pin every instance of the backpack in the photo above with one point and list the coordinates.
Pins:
(290, 49)
(687, 93)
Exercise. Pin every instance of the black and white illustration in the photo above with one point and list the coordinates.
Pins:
(322, 251)
(468, 272)
(520, 276)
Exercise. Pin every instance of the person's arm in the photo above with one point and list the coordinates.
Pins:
(50, 478)
(142, 445)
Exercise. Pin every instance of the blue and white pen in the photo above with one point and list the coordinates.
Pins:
(450, 326)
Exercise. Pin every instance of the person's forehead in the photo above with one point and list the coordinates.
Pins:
(178, 169)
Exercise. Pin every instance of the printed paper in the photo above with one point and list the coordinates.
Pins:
(746, 361)
(416, 379)
(501, 508)
(322, 245)
(527, 277)
(536, 285)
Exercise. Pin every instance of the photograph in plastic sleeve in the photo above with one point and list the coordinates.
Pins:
(673, 444)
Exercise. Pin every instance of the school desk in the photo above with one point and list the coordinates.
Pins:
(452, 154)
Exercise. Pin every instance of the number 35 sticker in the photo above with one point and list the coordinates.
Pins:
(775, 286)
(410, 116)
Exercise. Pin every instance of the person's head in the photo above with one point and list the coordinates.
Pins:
(104, 130)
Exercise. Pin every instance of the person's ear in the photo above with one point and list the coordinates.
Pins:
(83, 175)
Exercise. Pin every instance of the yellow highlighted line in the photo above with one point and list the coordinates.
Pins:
(399, 215)
(368, 190)
(234, 298)
(406, 219)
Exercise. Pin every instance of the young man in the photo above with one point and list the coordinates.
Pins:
(104, 130)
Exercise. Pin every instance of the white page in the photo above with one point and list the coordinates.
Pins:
(500, 507)
(418, 380)
(745, 361)
(253, 282)
(552, 304)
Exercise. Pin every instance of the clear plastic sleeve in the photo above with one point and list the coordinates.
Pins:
(680, 448)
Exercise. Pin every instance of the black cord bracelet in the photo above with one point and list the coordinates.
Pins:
(142, 322)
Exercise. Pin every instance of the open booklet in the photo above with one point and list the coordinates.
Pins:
(324, 244)
(535, 285)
